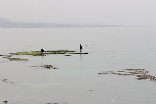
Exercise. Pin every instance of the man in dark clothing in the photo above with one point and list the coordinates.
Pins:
(80, 48)
(42, 50)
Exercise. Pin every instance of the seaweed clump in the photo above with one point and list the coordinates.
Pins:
(140, 73)
(41, 53)
(5, 101)
(49, 67)
(17, 59)
(46, 66)
(34, 53)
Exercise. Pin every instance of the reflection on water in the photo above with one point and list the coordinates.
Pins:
(80, 57)
(77, 80)
(42, 60)
(81, 67)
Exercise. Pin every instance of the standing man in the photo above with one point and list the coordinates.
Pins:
(80, 48)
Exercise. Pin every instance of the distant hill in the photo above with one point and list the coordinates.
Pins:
(4, 23)
(3, 20)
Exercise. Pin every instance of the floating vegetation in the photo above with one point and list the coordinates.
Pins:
(91, 89)
(5, 101)
(34, 53)
(39, 53)
(12, 59)
(49, 67)
(6, 56)
(46, 66)
(78, 53)
(59, 51)
(140, 73)
(67, 55)
(3, 61)
(17, 59)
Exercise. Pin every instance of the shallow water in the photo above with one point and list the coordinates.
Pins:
(77, 80)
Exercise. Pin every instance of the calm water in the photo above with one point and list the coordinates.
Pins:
(76, 81)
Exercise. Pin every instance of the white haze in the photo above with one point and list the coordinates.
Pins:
(110, 12)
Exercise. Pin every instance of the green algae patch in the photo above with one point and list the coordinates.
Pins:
(141, 74)
(34, 53)
(39, 53)
(5, 101)
(58, 51)
(17, 59)
(46, 66)
(49, 67)
(78, 53)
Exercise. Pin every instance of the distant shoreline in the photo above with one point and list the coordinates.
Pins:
(4, 23)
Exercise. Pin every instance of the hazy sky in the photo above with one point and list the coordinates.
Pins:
(115, 12)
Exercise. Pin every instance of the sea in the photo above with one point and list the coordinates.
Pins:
(76, 81)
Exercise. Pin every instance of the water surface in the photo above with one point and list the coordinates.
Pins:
(77, 80)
